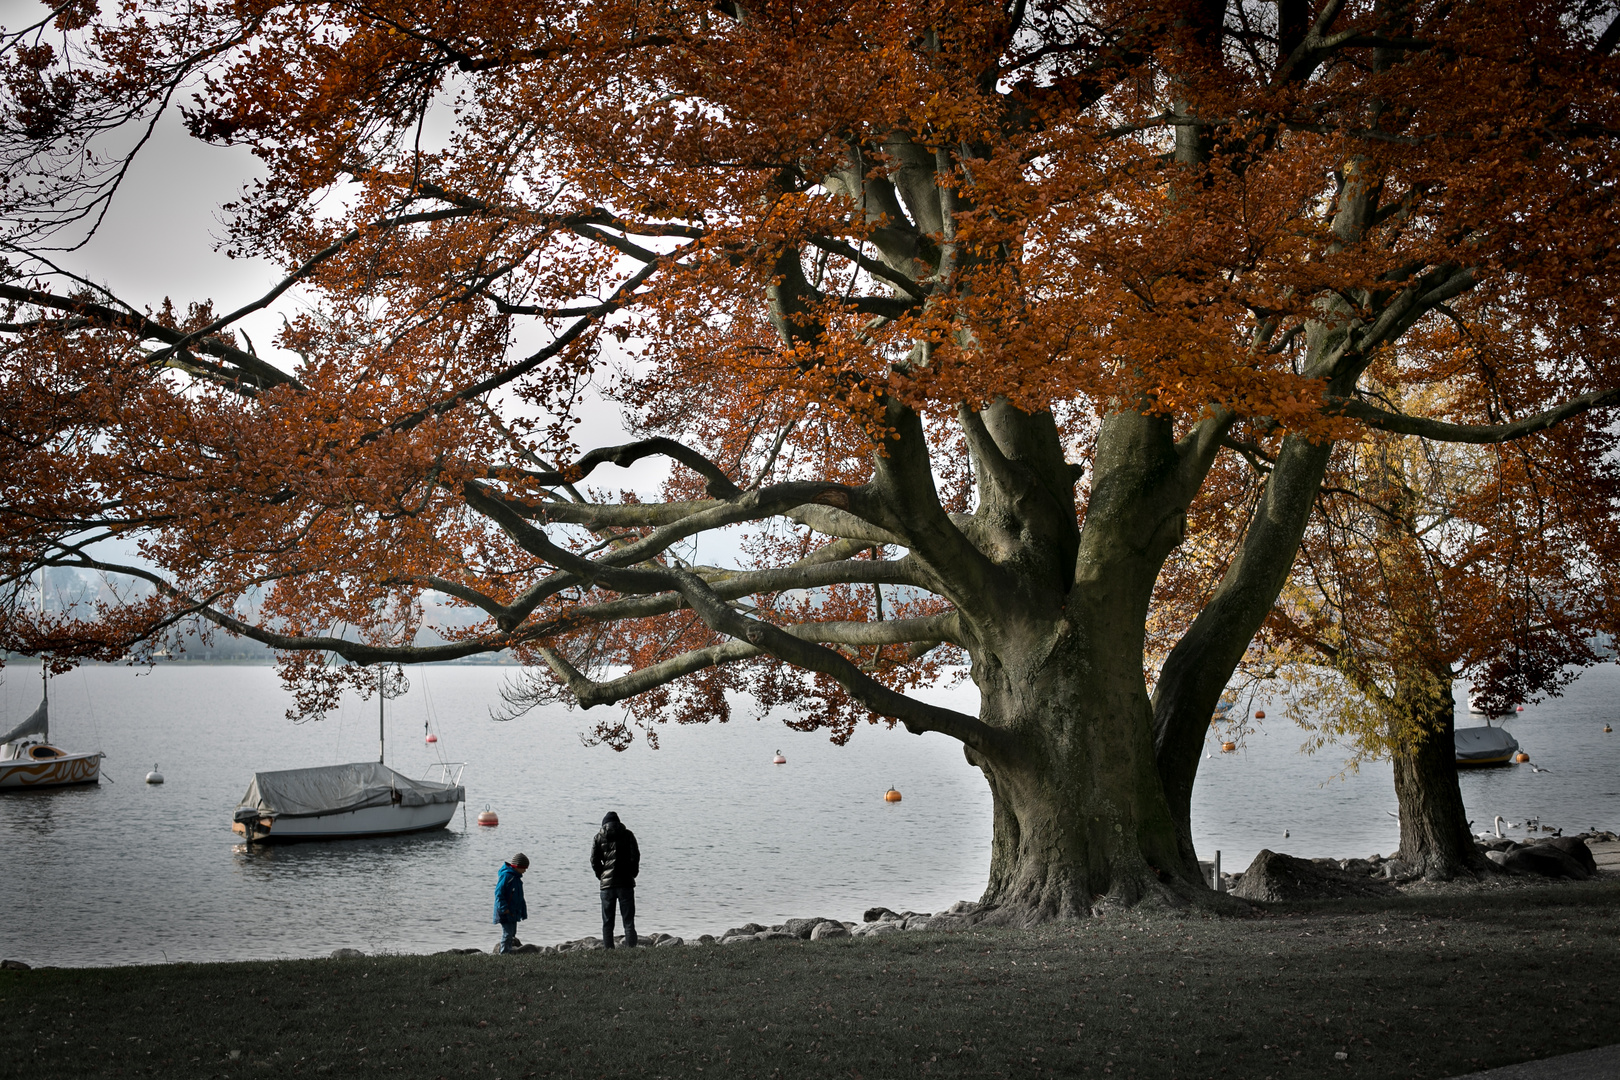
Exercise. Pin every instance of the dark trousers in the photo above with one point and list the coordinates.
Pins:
(625, 895)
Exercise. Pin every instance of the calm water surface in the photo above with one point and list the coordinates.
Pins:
(130, 873)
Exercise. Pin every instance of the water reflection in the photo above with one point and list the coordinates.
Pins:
(373, 854)
(43, 811)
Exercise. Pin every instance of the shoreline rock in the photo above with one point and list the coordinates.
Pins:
(1273, 877)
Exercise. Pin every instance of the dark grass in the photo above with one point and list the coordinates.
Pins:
(1415, 986)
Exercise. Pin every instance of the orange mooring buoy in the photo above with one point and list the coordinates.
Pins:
(486, 816)
(431, 738)
(1259, 714)
(891, 796)
(779, 759)
(1521, 757)
(1228, 746)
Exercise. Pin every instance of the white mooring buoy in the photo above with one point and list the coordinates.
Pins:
(154, 777)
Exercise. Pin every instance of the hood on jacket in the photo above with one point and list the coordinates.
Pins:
(610, 817)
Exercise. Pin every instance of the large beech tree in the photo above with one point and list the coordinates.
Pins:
(946, 312)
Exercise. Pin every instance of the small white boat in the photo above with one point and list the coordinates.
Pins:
(336, 802)
(28, 764)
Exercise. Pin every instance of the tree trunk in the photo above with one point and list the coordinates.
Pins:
(1198, 668)
(1435, 834)
(1081, 822)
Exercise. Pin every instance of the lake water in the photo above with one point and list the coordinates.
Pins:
(129, 873)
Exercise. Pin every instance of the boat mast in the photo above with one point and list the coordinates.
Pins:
(380, 717)
(44, 662)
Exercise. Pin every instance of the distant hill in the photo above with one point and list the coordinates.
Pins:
(67, 588)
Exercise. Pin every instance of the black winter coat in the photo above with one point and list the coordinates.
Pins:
(615, 856)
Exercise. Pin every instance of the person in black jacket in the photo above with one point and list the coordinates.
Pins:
(616, 859)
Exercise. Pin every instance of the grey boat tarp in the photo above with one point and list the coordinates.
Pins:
(336, 789)
(1483, 744)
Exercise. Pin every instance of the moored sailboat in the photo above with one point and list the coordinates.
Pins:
(338, 802)
(29, 762)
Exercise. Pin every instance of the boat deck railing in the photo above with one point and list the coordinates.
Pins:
(445, 772)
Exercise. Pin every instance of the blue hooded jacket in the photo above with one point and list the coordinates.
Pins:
(509, 895)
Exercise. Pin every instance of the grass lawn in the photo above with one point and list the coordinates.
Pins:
(1415, 986)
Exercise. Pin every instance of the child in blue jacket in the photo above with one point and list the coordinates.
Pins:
(509, 905)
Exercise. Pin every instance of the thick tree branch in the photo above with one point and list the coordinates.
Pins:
(876, 267)
(249, 368)
(727, 585)
(917, 716)
(591, 693)
(1441, 431)
(905, 479)
(831, 521)
(718, 483)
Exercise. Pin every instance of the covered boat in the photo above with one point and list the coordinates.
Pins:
(1477, 746)
(329, 802)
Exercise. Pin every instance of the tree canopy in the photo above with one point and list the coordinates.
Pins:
(959, 313)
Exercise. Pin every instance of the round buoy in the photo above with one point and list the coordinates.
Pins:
(1521, 757)
(154, 777)
(779, 759)
(431, 738)
(891, 796)
(1519, 709)
(486, 816)
(1259, 714)
(1228, 746)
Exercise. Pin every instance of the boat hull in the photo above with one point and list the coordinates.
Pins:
(66, 771)
(1484, 763)
(349, 824)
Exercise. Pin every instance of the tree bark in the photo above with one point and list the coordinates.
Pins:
(1081, 822)
(1198, 668)
(1435, 834)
